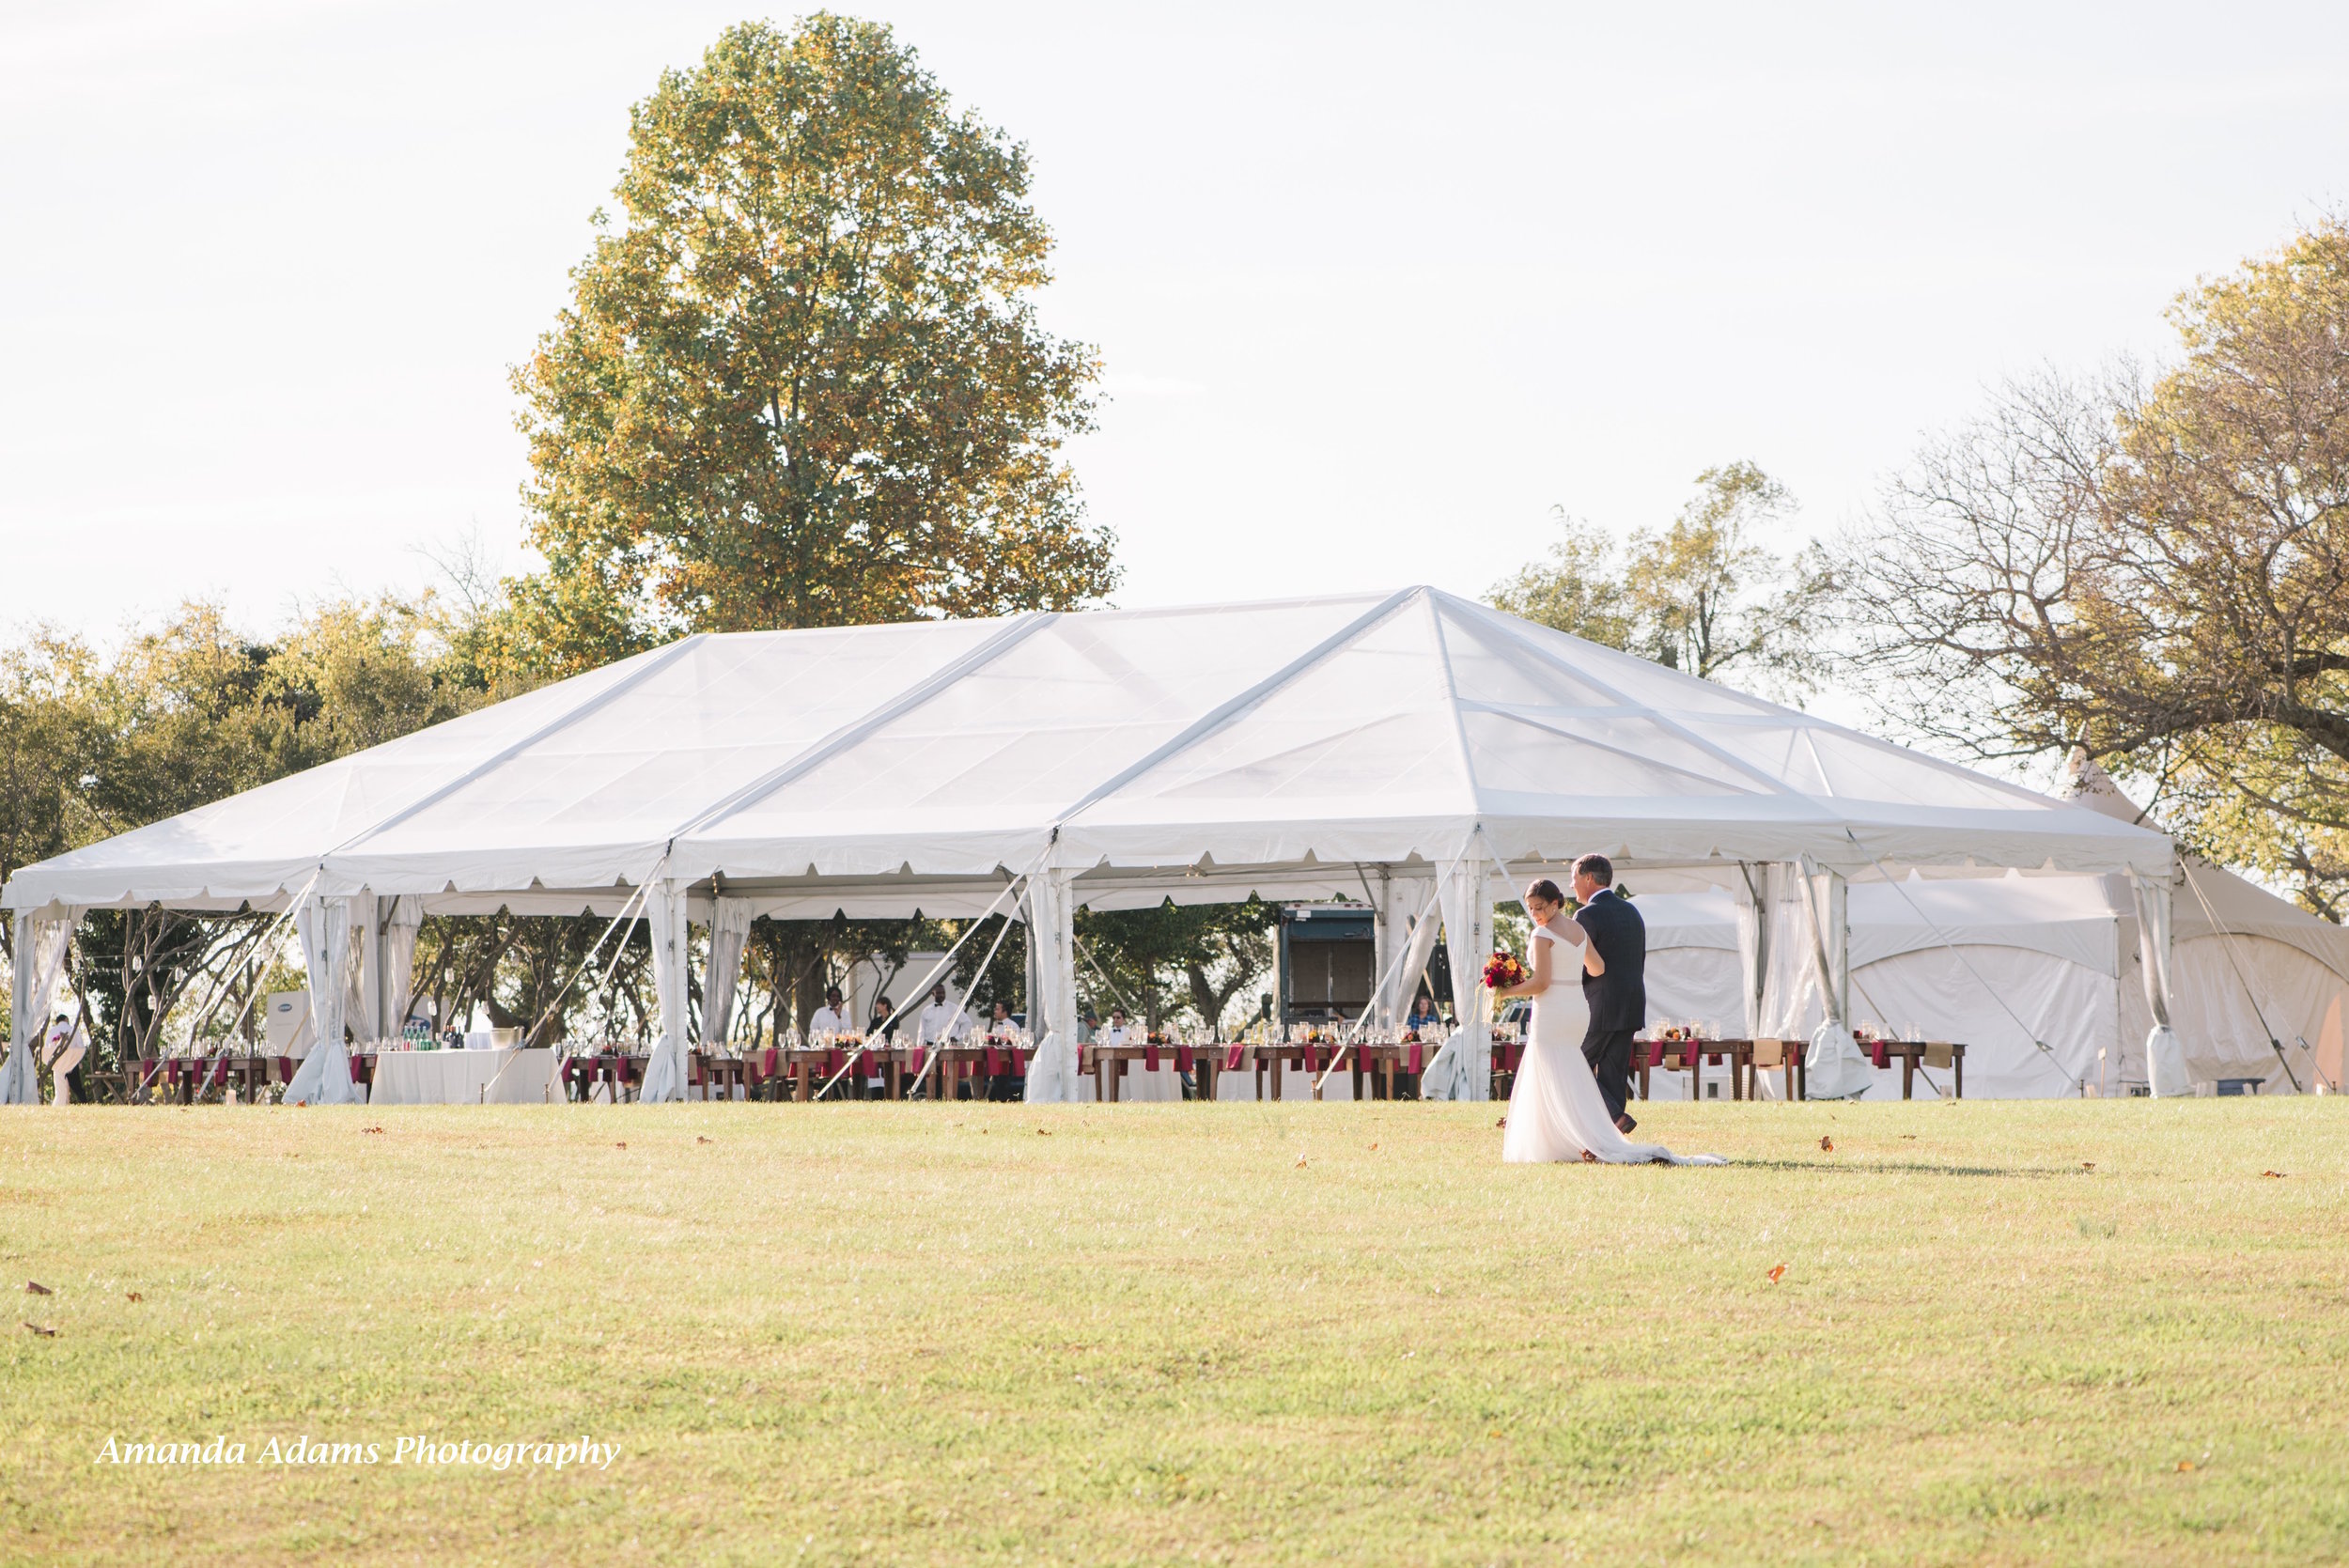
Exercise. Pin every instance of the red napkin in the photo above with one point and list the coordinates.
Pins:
(1655, 1053)
(1150, 1058)
(994, 1063)
(1417, 1049)
(1231, 1058)
(1183, 1060)
(1883, 1057)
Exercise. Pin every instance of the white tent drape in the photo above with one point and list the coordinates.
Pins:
(1464, 1071)
(1833, 1069)
(1753, 936)
(362, 991)
(729, 924)
(396, 981)
(1052, 999)
(323, 925)
(40, 947)
(666, 909)
(2165, 1056)
(1403, 900)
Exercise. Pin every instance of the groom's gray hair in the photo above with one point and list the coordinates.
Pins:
(1598, 868)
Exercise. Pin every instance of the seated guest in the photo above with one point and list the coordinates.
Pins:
(939, 1022)
(999, 1025)
(831, 1017)
(883, 1012)
(1423, 1013)
(1115, 1033)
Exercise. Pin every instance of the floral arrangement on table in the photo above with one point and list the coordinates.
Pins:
(1411, 1037)
(1502, 969)
(1155, 1037)
(1673, 1033)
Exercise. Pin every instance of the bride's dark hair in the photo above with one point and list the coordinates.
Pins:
(1547, 890)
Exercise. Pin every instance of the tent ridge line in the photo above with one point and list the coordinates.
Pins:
(563, 720)
(858, 728)
(1459, 722)
(1776, 786)
(1232, 708)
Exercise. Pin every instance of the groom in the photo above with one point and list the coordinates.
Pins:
(1618, 998)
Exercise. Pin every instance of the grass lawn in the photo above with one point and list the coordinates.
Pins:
(2066, 1332)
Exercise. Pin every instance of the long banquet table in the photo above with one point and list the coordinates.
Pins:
(511, 1076)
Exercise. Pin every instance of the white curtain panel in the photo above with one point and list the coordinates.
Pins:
(2165, 1056)
(41, 950)
(1751, 893)
(1464, 1069)
(397, 962)
(1052, 1002)
(665, 1075)
(323, 925)
(1833, 1069)
(363, 993)
(729, 926)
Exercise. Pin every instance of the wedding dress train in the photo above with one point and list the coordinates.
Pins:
(1555, 1109)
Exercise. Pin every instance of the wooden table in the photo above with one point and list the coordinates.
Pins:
(1109, 1064)
(1912, 1058)
(1749, 1060)
(1691, 1057)
(187, 1079)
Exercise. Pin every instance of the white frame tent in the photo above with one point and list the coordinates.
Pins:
(1415, 746)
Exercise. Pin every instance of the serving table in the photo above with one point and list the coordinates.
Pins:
(1747, 1060)
(508, 1076)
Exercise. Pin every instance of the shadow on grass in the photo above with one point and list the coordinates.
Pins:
(1905, 1168)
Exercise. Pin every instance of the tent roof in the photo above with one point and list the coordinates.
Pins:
(1346, 728)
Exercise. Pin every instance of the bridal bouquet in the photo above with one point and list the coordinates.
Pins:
(1502, 969)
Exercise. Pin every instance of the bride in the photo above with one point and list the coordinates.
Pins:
(1555, 1111)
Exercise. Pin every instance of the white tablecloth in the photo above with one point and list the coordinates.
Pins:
(458, 1077)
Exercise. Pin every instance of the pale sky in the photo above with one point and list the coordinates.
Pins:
(1376, 286)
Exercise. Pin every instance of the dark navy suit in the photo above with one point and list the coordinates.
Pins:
(1618, 998)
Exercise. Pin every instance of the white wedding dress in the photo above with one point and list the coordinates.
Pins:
(1555, 1111)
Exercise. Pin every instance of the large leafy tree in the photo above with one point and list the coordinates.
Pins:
(800, 380)
(2155, 569)
(1706, 593)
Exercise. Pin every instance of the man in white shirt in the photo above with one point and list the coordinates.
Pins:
(939, 1022)
(831, 1017)
(1115, 1033)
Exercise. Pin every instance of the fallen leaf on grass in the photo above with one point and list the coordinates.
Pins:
(2087, 1165)
(34, 1287)
(1502, 1123)
(2277, 1175)
(370, 1129)
(619, 1145)
(699, 1139)
(1777, 1273)
(1374, 1148)
(1827, 1144)
(2184, 1465)
(1300, 1159)
(1044, 1132)
(42, 1330)
(132, 1295)
(1910, 1136)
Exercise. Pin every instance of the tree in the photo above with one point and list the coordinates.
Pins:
(1700, 594)
(1160, 961)
(2155, 569)
(800, 380)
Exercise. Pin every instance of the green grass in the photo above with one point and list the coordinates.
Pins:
(918, 1333)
